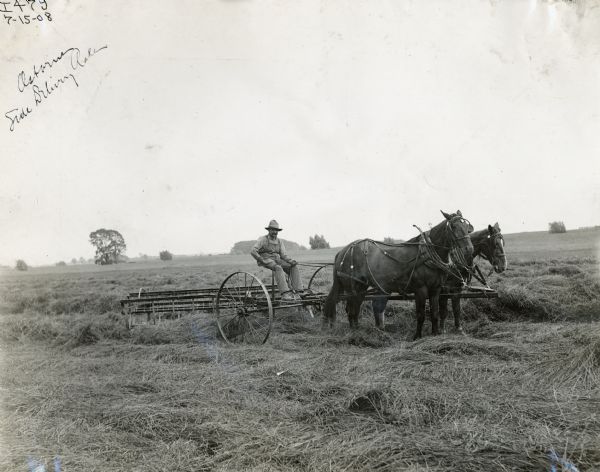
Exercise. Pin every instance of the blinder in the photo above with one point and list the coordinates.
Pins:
(493, 238)
(459, 217)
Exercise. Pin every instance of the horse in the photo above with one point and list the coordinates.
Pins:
(418, 266)
(487, 244)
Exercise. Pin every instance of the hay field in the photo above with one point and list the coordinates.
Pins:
(520, 392)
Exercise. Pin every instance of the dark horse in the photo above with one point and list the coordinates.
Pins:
(418, 266)
(487, 244)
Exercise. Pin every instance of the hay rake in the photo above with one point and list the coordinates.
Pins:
(244, 305)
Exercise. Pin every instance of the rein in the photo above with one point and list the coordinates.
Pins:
(438, 263)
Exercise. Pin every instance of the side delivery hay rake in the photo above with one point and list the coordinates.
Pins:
(244, 305)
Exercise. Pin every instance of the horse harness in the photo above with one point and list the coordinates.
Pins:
(425, 250)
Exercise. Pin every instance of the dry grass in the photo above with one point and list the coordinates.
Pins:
(171, 397)
(551, 291)
(301, 402)
(573, 360)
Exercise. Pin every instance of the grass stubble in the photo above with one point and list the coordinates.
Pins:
(77, 385)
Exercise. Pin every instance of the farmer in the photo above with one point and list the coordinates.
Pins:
(269, 252)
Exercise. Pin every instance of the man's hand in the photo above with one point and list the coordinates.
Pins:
(271, 265)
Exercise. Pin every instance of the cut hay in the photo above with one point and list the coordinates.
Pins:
(175, 397)
(369, 337)
(568, 270)
(574, 360)
(461, 346)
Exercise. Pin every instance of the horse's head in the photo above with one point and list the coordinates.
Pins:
(495, 249)
(458, 229)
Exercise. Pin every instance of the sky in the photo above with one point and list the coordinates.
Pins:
(189, 127)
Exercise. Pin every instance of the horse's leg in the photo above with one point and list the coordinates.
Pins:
(349, 309)
(329, 312)
(434, 310)
(378, 305)
(327, 320)
(330, 305)
(356, 311)
(456, 310)
(420, 299)
(353, 309)
(444, 313)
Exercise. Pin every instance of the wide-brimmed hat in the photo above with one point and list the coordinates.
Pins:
(273, 225)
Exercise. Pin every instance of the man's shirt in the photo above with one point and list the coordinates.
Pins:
(267, 248)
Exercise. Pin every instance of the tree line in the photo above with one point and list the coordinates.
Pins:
(110, 247)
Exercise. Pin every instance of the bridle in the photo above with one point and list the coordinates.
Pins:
(449, 233)
(493, 254)
(456, 252)
(458, 262)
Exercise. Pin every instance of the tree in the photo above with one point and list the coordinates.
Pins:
(557, 227)
(109, 244)
(61, 264)
(21, 265)
(165, 256)
(81, 260)
(318, 242)
(74, 261)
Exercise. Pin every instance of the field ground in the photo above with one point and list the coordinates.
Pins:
(520, 392)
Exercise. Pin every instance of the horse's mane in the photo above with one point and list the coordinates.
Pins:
(417, 239)
(475, 235)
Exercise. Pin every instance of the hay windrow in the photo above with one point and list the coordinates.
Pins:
(372, 337)
(573, 360)
(461, 346)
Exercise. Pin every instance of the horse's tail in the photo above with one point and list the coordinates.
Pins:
(329, 309)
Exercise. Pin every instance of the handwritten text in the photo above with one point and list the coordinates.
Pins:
(39, 81)
(17, 11)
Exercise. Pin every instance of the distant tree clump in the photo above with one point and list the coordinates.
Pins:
(74, 260)
(61, 264)
(21, 265)
(557, 227)
(388, 240)
(318, 242)
(110, 246)
(82, 260)
(165, 256)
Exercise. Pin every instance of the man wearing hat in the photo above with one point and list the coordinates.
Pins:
(269, 252)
